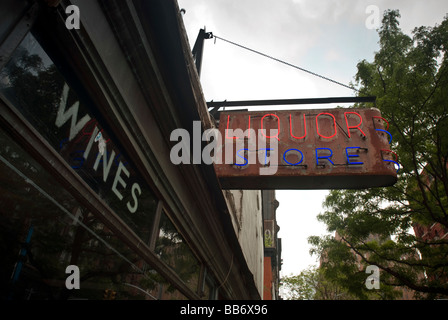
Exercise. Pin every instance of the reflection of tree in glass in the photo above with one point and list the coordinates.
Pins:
(58, 240)
(173, 250)
(26, 82)
(33, 84)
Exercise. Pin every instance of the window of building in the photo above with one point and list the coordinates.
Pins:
(43, 229)
(33, 84)
(172, 249)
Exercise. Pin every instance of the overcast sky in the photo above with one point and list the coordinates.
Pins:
(328, 37)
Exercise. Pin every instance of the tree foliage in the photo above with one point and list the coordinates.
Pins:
(409, 77)
(311, 284)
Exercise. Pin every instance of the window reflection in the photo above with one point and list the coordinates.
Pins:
(43, 229)
(33, 84)
(173, 250)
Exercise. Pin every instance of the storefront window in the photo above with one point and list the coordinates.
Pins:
(43, 229)
(33, 84)
(173, 250)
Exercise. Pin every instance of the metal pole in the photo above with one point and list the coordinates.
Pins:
(198, 48)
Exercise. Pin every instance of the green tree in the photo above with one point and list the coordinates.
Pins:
(409, 77)
(311, 284)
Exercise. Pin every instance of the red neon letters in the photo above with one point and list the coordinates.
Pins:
(349, 126)
(334, 125)
(353, 127)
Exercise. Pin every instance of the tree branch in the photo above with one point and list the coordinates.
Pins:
(403, 279)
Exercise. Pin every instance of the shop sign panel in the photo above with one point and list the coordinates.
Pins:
(305, 149)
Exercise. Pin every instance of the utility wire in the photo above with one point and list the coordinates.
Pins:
(287, 63)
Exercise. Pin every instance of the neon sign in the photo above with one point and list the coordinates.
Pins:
(306, 149)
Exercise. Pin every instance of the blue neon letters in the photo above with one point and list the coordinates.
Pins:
(326, 154)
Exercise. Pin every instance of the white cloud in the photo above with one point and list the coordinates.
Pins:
(332, 55)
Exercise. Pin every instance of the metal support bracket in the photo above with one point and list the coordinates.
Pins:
(198, 48)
